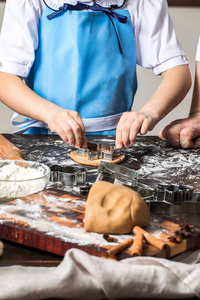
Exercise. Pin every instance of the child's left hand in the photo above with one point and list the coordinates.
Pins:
(130, 124)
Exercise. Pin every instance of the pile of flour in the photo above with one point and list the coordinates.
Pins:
(11, 185)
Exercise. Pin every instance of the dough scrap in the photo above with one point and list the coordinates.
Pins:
(114, 209)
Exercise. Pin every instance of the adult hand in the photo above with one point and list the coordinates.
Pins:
(130, 124)
(69, 125)
(182, 133)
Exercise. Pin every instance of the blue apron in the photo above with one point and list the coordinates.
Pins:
(85, 62)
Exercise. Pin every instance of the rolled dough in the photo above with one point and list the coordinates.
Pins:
(114, 209)
(85, 161)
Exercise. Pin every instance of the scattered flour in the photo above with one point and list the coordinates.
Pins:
(17, 181)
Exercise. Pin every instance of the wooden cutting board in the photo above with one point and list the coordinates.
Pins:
(52, 221)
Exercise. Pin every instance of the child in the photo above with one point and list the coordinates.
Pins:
(186, 132)
(78, 60)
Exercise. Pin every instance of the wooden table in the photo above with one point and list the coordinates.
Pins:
(148, 150)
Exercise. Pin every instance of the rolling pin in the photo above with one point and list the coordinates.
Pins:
(9, 150)
(1, 248)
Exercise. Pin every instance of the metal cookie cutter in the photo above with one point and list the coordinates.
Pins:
(121, 175)
(116, 174)
(175, 199)
(99, 151)
(170, 193)
(164, 199)
(173, 193)
(68, 175)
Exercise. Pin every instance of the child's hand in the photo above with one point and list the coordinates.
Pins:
(69, 125)
(183, 133)
(130, 124)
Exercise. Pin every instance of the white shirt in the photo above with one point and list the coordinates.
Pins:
(198, 51)
(156, 44)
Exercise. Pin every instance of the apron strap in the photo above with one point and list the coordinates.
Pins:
(26, 124)
(82, 6)
(91, 125)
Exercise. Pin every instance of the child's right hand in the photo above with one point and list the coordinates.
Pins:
(69, 126)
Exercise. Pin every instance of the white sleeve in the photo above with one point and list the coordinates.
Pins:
(19, 36)
(198, 51)
(157, 46)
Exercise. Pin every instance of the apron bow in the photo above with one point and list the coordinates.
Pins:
(82, 6)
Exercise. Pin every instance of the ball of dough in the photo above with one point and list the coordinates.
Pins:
(114, 209)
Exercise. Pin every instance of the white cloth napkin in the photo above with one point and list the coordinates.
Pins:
(82, 276)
